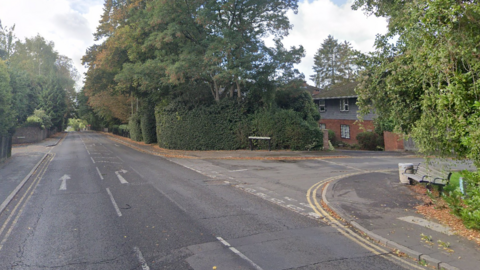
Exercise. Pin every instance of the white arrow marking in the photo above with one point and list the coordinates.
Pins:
(122, 180)
(64, 179)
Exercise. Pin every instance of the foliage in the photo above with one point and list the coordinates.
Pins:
(467, 207)
(370, 140)
(334, 63)
(147, 123)
(135, 128)
(298, 100)
(6, 112)
(215, 127)
(77, 124)
(332, 137)
(287, 129)
(39, 119)
(427, 81)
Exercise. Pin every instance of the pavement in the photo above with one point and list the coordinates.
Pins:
(17, 169)
(374, 203)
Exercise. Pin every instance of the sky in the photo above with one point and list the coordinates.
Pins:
(70, 24)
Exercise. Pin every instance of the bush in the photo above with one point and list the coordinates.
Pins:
(467, 207)
(134, 128)
(332, 138)
(39, 119)
(370, 140)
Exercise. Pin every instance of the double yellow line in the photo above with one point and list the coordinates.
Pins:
(14, 215)
(343, 229)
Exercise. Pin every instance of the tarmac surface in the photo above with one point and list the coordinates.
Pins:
(361, 187)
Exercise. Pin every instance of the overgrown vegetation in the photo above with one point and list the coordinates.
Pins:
(39, 119)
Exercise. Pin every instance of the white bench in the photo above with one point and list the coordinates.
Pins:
(429, 175)
(251, 138)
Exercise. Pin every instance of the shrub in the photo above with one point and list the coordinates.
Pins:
(39, 119)
(370, 140)
(134, 128)
(332, 138)
(467, 207)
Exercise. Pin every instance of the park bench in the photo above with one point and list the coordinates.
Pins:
(251, 138)
(429, 175)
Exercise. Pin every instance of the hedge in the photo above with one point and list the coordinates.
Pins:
(224, 126)
(147, 123)
(134, 127)
(203, 128)
(370, 141)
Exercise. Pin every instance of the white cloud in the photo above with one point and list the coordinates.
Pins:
(70, 24)
(320, 18)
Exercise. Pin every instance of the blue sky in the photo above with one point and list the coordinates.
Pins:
(71, 23)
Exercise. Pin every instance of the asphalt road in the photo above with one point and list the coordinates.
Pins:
(96, 204)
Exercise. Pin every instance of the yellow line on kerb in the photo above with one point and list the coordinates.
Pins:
(23, 201)
(316, 206)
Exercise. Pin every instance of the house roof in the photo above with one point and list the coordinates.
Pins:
(346, 90)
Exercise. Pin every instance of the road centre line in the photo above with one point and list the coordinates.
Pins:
(92, 160)
(114, 203)
(99, 173)
(140, 258)
(241, 255)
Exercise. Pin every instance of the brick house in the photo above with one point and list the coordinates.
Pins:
(338, 111)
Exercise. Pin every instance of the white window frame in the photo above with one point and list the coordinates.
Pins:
(321, 105)
(344, 105)
(322, 126)
(345, 131)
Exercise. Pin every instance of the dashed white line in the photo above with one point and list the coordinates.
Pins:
(140, 258)
(114, 203)
(239, 170)
(99, 173)
(92, 160)
(122, 180)
(241, 255)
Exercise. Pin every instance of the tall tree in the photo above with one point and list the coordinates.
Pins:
(426, 73)
(333, 63)
(7, 40)
(6, 112)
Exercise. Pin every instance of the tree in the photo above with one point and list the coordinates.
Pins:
(425, 73)
(7, 39)
(6, 112)
(334, 63)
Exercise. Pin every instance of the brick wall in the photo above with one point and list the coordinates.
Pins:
(393, 141)
(29, 135)
(355, 128)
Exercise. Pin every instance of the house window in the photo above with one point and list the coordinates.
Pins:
(321, 105)
(345, 131)
(344, 104)
(322, 126)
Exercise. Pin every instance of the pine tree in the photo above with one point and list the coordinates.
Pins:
(333, 63)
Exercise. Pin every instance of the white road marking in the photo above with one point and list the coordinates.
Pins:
(64, 179)
(234, 250)
(295, 208)
(99, 173)
(114, 203)
(140, 258)
(239, 170)
(92, 160)
(427, 224)
(137, 172)
(290, 199)
(173, 201)
(120, 177)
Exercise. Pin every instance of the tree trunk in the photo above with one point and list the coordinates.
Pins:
(239, 92)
